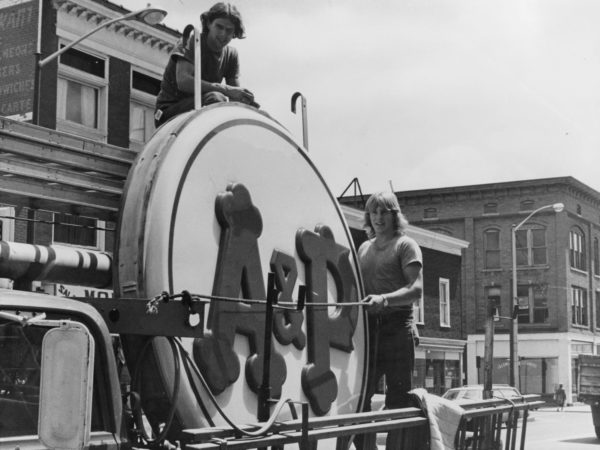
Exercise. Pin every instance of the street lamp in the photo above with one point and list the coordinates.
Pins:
(151, 16)
(514, 329)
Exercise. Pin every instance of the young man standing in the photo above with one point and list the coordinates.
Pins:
(391, 264)
(220, 24)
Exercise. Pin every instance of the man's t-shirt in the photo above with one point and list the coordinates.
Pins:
(382, 270)
(216, 67)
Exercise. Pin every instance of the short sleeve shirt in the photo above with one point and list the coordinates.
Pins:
(215, 67)
(382, 269)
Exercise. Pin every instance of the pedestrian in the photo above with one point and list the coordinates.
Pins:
(219, 62)
(560, 396)
(391, 265)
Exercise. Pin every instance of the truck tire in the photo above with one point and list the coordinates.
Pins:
(597, 431)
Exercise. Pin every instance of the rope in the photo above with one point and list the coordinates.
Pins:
(257, 433)
(136, 400)
(164, 297)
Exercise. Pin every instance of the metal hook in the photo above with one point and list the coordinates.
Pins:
(304, 117)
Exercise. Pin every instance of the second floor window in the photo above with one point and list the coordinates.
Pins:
(533, 304)
(81, 94)
(491, 242)
(579, 306)
(144, 90)
(531, 247)
(444, 302)
(78, 103)
(141, 122)
(596, 257)
(577, 249)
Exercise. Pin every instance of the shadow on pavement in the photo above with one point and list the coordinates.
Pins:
(585, 440)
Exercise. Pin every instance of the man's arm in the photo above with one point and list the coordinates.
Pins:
(184, 74)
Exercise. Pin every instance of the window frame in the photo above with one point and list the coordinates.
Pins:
(579, 307)
(7, 223)
(100, 235)
(419, 310)
(534, 300)
(490, 208)
(596, 256)
(487, 250)
(530, 247)
(597, 308)
(444, 301)
(83, 78)
(141, 99)
(430, 213)
(577, 250)
(144, 99)
(526, 205)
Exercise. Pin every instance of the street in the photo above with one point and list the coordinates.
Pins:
(548, 429)
(571, 429)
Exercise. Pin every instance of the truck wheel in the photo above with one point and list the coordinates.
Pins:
(597, 432)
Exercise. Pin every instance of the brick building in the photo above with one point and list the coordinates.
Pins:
(439, 358)
(103, 89)
(558, 272)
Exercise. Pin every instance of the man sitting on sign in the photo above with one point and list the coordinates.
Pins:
(219, 61)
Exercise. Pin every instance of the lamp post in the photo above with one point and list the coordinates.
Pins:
(151, 16)
(514, 329)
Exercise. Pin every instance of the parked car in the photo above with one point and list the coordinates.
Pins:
(474, 392)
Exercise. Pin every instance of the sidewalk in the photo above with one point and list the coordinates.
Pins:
(575, 407)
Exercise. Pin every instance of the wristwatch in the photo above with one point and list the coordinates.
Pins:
(385, 301)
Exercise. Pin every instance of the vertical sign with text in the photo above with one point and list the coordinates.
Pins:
(18, 40)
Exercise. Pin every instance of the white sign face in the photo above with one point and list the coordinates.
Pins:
(213, 211)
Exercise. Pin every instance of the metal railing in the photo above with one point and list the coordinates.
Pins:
(496, 424)
(486, 425)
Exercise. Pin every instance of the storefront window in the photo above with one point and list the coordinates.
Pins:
(536, 375)
(531, 375)
(500, 371)
(419, 374)
(452, 375)
(438, 372)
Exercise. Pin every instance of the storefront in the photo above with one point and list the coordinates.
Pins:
(438, 364)
(546, 360)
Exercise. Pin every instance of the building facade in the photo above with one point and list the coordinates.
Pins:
(439, 357)
(558, 273)
(103, 89)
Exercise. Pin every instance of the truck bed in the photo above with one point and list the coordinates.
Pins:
(589, 378)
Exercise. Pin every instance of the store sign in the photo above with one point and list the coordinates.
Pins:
(218, 200)
(18, 40)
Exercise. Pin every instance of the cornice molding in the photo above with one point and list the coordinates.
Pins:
(515, 189)
(425, 238)
(95, 14)
(441, 343)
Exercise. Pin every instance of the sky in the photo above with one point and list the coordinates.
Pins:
(420, 94)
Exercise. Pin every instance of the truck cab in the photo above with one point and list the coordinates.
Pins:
(41, 363)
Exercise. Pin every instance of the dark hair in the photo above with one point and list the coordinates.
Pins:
(388, 202)
(224, 11)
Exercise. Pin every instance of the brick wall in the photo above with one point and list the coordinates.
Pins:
(438, 265)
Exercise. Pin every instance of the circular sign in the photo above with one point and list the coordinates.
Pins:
(218, 200)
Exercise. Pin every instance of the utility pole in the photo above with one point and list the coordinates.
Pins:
(488, 357)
